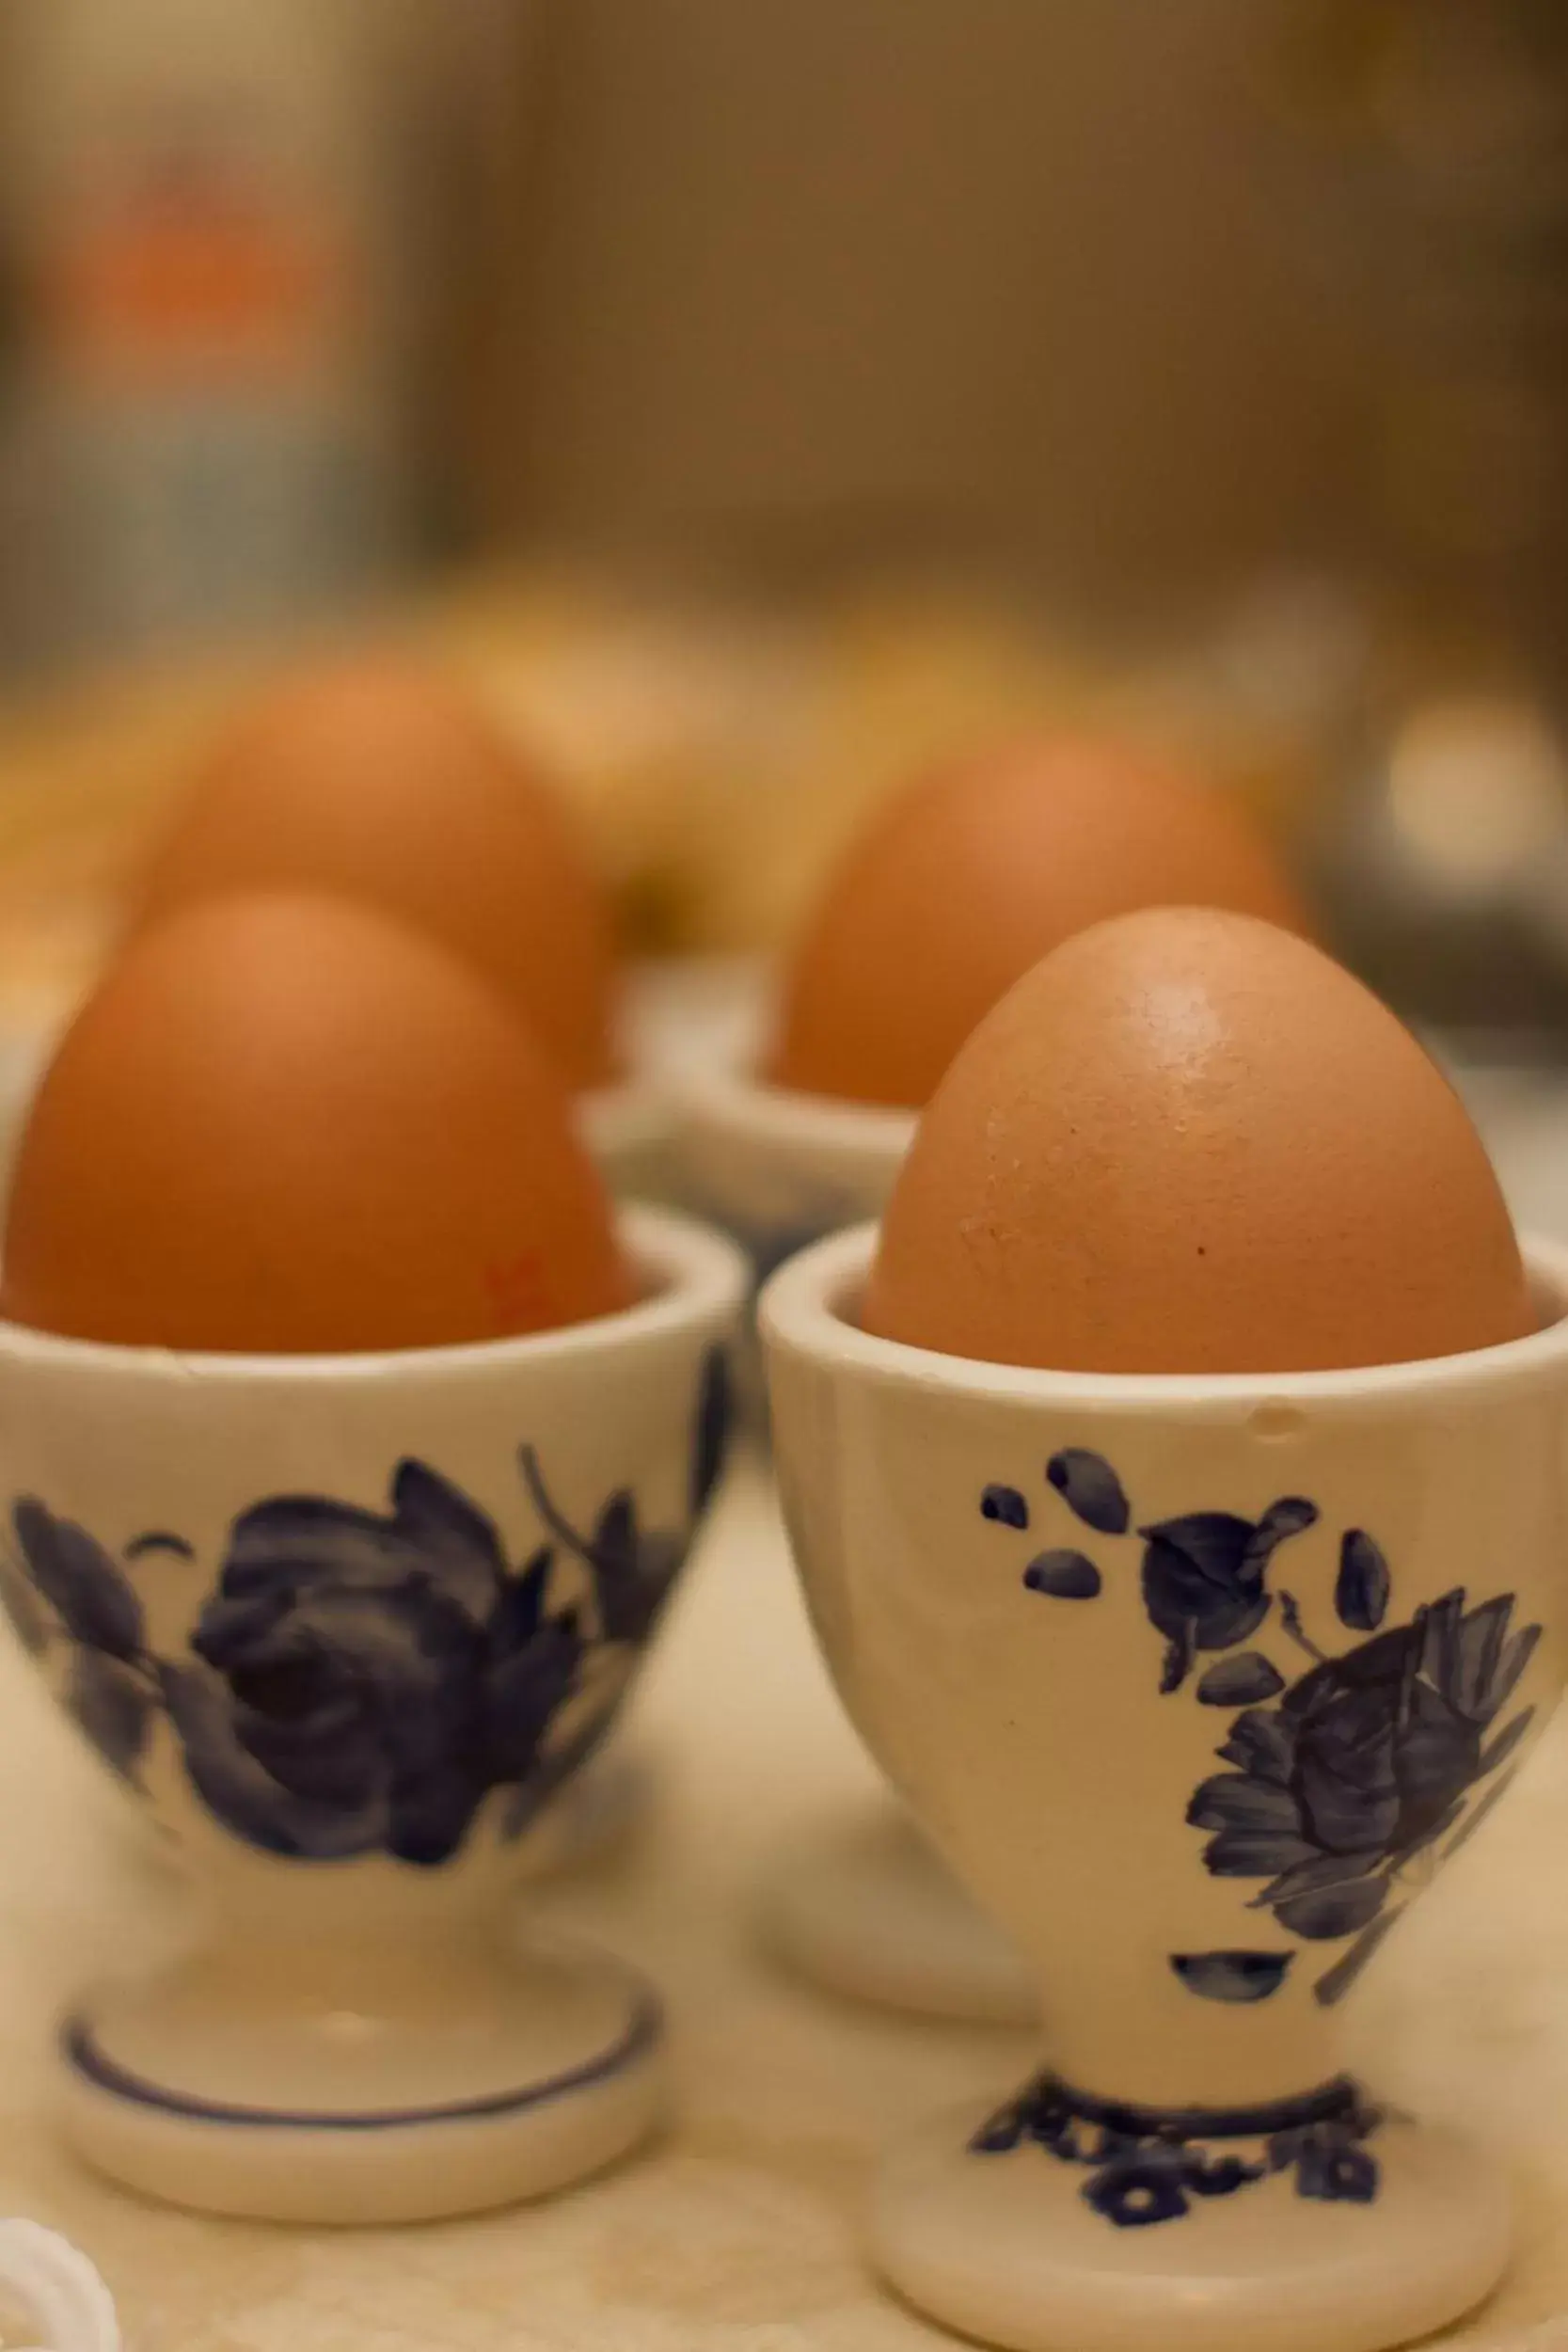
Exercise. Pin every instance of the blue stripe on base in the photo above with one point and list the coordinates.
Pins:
(81, 2053)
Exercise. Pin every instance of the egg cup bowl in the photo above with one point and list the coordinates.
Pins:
(868, 1911)
(344, 1626)
(1195, 1682)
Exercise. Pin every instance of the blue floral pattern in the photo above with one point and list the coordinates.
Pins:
(1364, 1765)
(1146, 2165)
(1343, 1779)
(359, 1681)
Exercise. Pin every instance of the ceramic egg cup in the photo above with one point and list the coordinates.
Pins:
(867, 1910)
(1196, 1683)
(346, 1626)
(629, 1129)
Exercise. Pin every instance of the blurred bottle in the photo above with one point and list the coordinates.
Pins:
(205, 203)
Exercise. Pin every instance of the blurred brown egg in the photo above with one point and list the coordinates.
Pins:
(383, 779)
(290, 1124)
(973, 875)
(1189, 1142)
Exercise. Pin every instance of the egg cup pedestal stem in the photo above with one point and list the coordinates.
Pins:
(865, 1908)
(350, 1627)
(1194, 1683)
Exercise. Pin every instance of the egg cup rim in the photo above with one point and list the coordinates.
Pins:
(727, 1087)
(702, 1280)
(800, 1311)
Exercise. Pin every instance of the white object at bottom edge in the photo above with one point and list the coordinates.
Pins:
(49, 2288)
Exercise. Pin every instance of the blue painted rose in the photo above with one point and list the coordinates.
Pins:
(1367, 1761)
(360, 1681)
(365, 1679)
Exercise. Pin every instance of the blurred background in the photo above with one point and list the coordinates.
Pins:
(761, 399)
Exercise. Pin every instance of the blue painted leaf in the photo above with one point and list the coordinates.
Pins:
(1440, 1628)
(1064, 1576)
(456, 1543)
(1504, 1744)
(1236, 1800)
(1204, 1578)
(1292, 1515)
(28, 1621)
(613, 1544)
(711, 1436)
(1511, 1666)
(1243, 1680)
(113, 1706)
(1481, 1640)
(629, 1596)
(1005, 1505)
(1362, 1593)
(93, 1601)
(1264, 1744)
(1091, 1489)
(1252, 1853)
(528, 1798)
(1337, 1981)
(1480, 1811)
(1339, 1911)
(526, 1686)
(1238, 1977)
(1320, 1875)
(1177, 1665)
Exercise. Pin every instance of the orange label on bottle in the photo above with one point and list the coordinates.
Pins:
(195, 271)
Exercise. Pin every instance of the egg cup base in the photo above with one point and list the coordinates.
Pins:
(1009, 2249)
(863, 1907)
(543, 2066)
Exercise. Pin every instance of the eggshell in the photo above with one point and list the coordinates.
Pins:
(1188, 1143)
(380, 777)
(972, 875)
(290, 1124)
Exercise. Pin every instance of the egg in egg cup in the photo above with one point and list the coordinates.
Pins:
(346, 1625)
(1195, 1682)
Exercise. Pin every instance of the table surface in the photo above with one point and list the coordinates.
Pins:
(738, 2232)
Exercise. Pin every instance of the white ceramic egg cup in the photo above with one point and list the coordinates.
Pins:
(1196, 1683)
(345, 1624)
(867, 1910)
(629, 1130)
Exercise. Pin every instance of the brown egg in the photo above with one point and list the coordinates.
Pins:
(382, 779)
(292, 1124)
(970, 877)
(1189, 1142)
